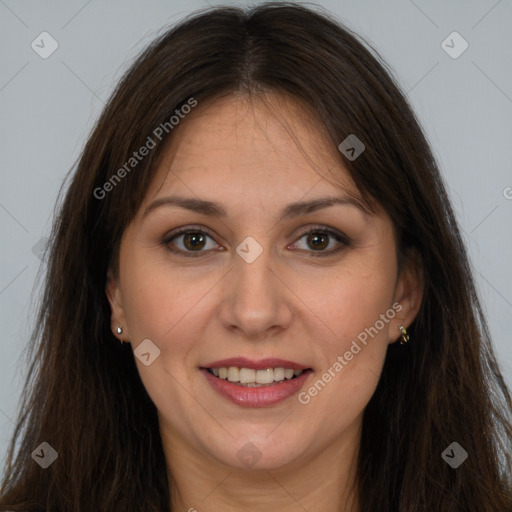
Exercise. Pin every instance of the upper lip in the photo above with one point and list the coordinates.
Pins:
(261, 364)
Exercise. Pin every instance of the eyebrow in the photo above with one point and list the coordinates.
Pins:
(213, 209)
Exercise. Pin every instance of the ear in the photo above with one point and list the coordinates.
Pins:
(117, 317)
(408, 294)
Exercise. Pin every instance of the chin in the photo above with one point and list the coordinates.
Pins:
(257, 453)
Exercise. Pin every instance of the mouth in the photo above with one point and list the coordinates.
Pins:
(256, 383)
(252, 378)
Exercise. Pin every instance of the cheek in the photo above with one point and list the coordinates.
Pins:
(159, 300)
(358, 304)
(163, 306)
(149, 306)
(353, 314)
(350, 301)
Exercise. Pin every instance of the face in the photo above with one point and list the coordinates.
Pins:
(252, 251)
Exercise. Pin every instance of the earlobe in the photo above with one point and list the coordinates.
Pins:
(409, 294)
(118, 320)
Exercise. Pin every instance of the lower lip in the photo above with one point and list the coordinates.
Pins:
(258, 396)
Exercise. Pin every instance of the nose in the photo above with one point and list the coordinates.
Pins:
(256, 300)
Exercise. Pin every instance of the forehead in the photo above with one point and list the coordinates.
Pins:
(266, 145)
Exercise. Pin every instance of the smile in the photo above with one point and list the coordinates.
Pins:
(250, 383)
(250, 377)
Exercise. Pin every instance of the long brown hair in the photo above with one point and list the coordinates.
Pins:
(83, 394)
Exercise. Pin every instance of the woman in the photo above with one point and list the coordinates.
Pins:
(257, 295)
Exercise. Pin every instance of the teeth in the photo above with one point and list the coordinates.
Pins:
(253, 378)
(233, 374)
(246, 375)
(265, 376)
(279, 374)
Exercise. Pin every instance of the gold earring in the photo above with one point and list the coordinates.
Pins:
(404, 338)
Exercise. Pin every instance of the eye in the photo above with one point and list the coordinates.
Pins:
(190, 242)
(198, 241)
(319, 239)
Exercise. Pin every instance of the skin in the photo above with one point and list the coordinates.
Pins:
(288, 303)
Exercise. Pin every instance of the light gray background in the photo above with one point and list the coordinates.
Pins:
(48, 107)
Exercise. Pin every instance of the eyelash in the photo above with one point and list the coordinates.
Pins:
(344, 241)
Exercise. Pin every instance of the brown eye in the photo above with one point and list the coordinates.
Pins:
(194, 241)
(190, 242)
(322, 241)
(318, 241)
